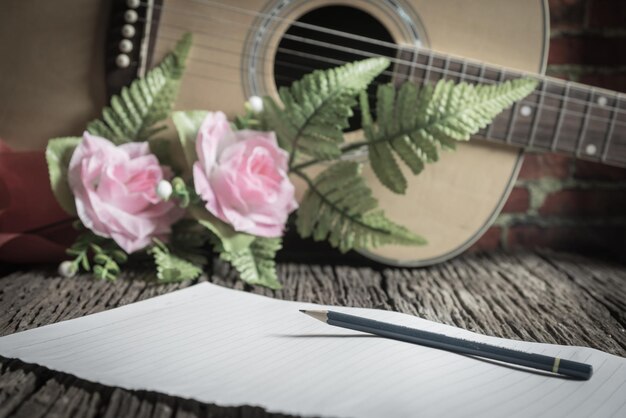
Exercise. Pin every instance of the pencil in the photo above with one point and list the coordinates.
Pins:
(457, 345)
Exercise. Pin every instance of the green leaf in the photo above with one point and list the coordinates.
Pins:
(58, 155)
(252, 257)
(107, 256)
(190, 240)
(381, 158)
(255, 263)
(187, 125)
(339, 207)
(132, 115)
(171, 268)
(412, 123)
(231, 240)
(166, 152)
(317, 108)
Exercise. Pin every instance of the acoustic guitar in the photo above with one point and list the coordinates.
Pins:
(55, 77)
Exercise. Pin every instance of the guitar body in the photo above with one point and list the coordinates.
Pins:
(451, 203)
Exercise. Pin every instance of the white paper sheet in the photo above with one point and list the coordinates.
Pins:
(227, 347)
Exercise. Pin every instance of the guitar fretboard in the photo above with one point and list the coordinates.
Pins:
(559, 116)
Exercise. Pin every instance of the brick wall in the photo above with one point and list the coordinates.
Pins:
(563, 203)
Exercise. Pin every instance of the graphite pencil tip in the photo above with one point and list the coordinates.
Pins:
(321, 315)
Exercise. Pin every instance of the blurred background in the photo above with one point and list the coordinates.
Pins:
(558, 202)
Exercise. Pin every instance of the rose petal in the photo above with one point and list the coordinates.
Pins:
(242, 177)
(135, 149)
(213, 137)
(204, 190)
(115, 192)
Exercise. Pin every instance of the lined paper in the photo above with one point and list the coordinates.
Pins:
(227, 347)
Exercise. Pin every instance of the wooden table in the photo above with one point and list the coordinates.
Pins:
(544, 297)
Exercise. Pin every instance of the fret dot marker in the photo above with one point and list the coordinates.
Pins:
(526, 111)
(591, 149)
(602, 101)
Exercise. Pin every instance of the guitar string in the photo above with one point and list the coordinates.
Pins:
(528, 100)
(541, 128)
(417, 65)
(444, 73)
(279, 62)
(393, 46)
(239, 10)
(531, 102)
(287, 51)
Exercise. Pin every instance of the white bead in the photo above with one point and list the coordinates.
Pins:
(67, 269)
(164, 189)
(133, 4)
(526, 111)
(126, 45)
(128, 31)
(256, 104)
(591, 149)
(122, 61)
(131, 16)
(602, 101)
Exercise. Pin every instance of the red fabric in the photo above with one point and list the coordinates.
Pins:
(33, 227)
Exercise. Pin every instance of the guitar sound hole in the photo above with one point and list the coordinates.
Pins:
(306, 49)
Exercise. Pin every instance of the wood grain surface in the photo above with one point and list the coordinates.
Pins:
(544, 297)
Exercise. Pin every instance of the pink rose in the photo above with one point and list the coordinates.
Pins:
(115, 192)
(242, 177)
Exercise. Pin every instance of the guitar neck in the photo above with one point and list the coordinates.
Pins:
(559, 116)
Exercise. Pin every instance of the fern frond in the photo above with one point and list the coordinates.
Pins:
(171, 268)
(413, 124)
(58, 156)
(317, 108)
(255, 263)
(190, 239)
(380, 154)
(252, 256)
(339, 206)
(107, 256)
(132, 115)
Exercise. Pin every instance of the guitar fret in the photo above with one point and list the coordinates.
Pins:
(511, 127)
(481, 78)
(428, 66)
(537, 115)
(512, 121)
(394, 71)
(583, 129)
(416, 53)
(463, 71)
(402, 69)
(559, 124)
(609, 134)
(481, 74)
(446, 68)
(490, 129)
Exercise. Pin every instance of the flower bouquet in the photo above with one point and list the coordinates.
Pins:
(228, 185)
